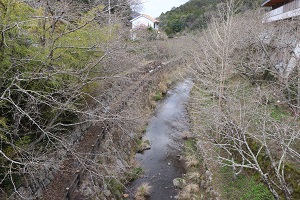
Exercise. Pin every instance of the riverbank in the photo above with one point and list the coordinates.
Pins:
(216, 181)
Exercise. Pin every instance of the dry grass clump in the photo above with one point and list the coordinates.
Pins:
(186, 135)
(162, 87)
(194, 176)
(189, 192)
(143, 191)
(191, 161)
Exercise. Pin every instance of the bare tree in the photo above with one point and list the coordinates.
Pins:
(52, 60)
(236, 51)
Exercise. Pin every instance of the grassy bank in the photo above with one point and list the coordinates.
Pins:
(218, 178)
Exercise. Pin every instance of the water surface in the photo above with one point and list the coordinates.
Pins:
(162, 162)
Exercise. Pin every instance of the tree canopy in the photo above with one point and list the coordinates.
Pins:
(195, 15)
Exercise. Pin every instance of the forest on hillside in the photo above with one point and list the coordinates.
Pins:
(196, 14)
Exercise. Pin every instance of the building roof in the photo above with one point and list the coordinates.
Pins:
(146, 16)
(134, 14)
(269, 3)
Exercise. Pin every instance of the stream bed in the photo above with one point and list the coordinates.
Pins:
(162, 162)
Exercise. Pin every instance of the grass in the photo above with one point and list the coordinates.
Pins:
(144, 129)
(157, 96)
(162, 87)
(190, 147)
(292, 173)
(134, 174)
(191, 161)
(138, 141)
(257, 192)
(186, 135)
(115, 185)
(243, 188)
(143, 145)
(278, 113)
(191, 191)
(143, 191)
(191, 155)
(194, 177)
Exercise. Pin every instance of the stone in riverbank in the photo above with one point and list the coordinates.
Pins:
(179, 183)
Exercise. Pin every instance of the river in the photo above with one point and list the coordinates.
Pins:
(162, 162)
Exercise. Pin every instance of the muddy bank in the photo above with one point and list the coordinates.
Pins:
(162, 162)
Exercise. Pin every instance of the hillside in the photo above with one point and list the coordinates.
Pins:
(196, 14)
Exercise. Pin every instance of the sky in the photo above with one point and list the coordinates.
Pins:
(155, 7)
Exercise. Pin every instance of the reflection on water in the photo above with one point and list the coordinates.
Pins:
(161, 162)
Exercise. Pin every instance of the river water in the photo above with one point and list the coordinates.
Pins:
(162, 162)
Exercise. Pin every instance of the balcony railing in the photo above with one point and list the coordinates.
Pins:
(288, 10)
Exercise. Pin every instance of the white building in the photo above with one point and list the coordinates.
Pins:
(144, 21)
(281, 9)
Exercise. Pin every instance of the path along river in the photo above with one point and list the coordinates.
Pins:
(162, 162)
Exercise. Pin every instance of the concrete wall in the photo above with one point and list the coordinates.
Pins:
(42, 175)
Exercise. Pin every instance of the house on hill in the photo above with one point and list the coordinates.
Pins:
(144, 21)
(281, 9)
(134, 14)
(285, 9)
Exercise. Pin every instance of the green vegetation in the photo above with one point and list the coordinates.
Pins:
(143, 145)
(157, 96)
(134, 173)
(293, 177)
(243, 187)
(190, 16)
(195, 15)
(279, 113)
(115, 186)
(190, 147)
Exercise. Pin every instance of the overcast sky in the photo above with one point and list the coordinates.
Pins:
(155, 7)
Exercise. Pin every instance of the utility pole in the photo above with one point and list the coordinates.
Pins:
(109, 17)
